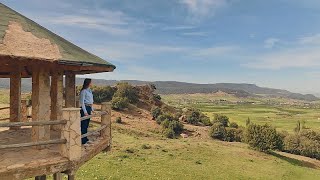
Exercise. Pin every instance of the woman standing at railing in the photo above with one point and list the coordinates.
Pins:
(86, 102)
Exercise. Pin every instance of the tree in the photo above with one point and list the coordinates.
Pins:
(119, 103)
(263, 138)
(125, 90)
(224, 120)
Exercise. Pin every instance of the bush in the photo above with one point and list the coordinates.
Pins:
(118, 120)
(156, 97)
(263, 138)
(218, 131)
(175, 125)
(171, 125)
(163, 117)
(119, 103)
(169, 133)
(193, 117)
(224, 120)
(233, 135)
(155, 112)
(102, 94)
(125, 90)
(234, 125)
(306, 143)
(205, 120)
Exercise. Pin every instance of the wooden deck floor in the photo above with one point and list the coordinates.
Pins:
(20, 163)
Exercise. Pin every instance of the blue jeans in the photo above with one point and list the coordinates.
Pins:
(85, 124)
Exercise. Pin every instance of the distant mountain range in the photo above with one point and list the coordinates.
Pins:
(173, 87)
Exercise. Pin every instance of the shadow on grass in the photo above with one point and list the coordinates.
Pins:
(294, 162)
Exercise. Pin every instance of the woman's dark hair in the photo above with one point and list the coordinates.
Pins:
(86, 83)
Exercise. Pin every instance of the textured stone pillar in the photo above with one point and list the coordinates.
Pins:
(71, 132)
(24, 110)
(56, 98)
(15, 96)
(40, 104)
(70, 90)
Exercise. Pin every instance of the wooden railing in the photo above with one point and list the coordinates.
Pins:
(104, 129)
(35, 123)
(3, 108)
(70, 141)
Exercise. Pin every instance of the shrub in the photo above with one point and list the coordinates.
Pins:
(118, 120)
(125, 90)
(169, 133)
(171, 125)
(155, 112)
(224, 120)
(193, 117)
(263, 138)
(233, 134)
(218, 131)
(119, 103)
(163, 117)
(156, 97)
(234, 125)
(306, 143)
(102, 94)
(205, 120)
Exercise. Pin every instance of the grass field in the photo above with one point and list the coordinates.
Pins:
(283, 117)
(189, 159)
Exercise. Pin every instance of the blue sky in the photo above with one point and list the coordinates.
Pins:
(272, 43)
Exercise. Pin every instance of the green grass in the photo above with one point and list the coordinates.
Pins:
(283, 117)
(189, 159)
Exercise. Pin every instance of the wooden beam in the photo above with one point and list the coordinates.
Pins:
(15, 96)
(70, 90)
(40, 103)
(56, 98)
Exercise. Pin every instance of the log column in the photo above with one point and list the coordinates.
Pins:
(56, 98)
(15, 96)
(70, 90)
(40, 103)
(106, 120)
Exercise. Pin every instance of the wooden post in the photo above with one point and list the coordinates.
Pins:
(57, 176)
(15, 96)
(71, 132)
(24, 111)
(106, 120)
(40, 104)
(56, 98)
(70, 90)
(43, 177)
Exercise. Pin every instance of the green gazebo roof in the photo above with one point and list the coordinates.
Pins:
(22, 37)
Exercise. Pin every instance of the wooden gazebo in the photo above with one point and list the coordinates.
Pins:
(28, 50)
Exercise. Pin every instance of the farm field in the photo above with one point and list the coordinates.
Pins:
(282, 114)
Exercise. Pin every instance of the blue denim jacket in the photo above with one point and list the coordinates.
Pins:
(86, 97)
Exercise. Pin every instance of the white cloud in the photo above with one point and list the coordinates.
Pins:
(314, 39)
(194, 34)
(202, 8)
(290, 58)
(215, 51)
(182, 27)
(271, 42)
(127, 51)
